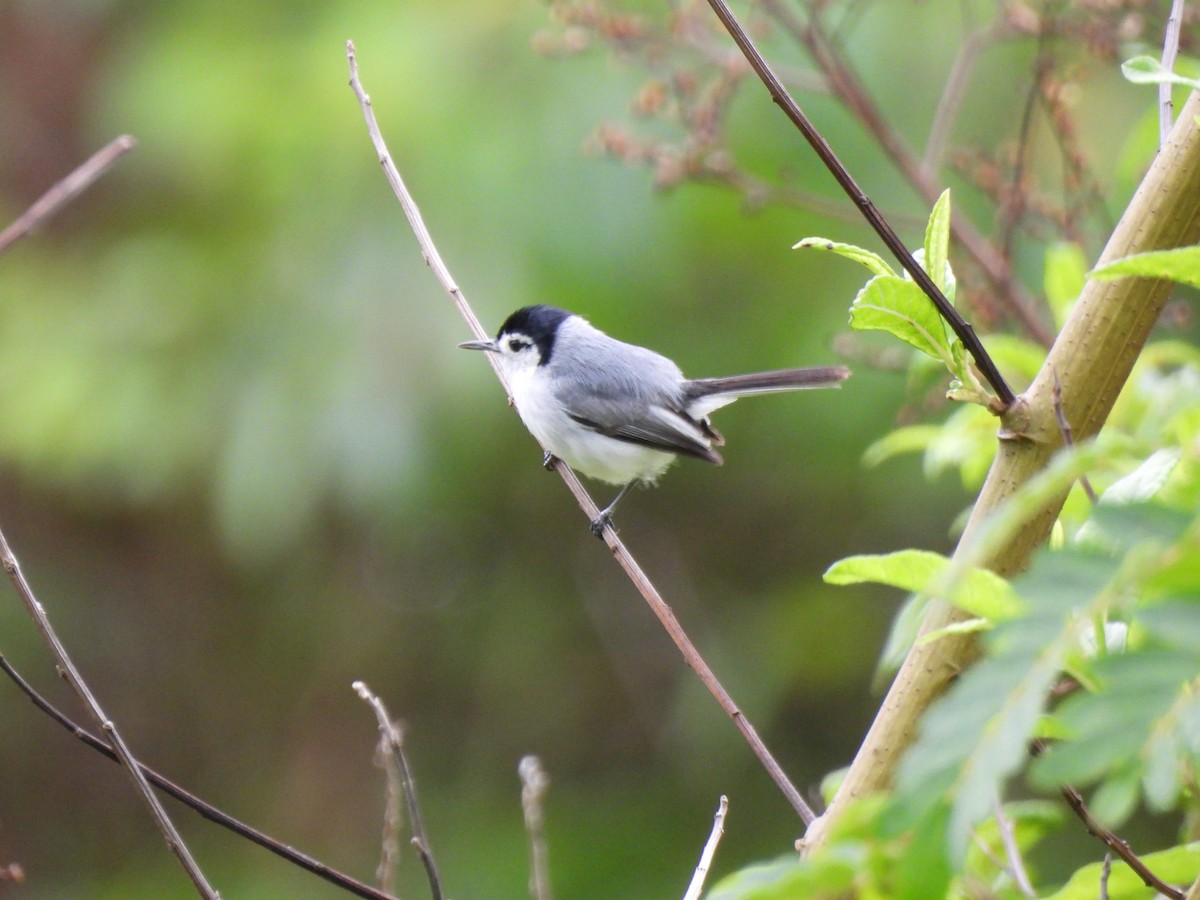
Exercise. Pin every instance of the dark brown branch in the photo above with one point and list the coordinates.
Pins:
(66, 190)
(845, 85)
(1117, 845)
(205, 809)
(783, 99)
(624, 558)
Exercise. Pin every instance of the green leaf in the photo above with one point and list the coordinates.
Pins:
(1144, 482)
(910, 439)
(1181, 264)
(873, 261)
(1178, 865)
(899, 307)
(981, 593)
(1148, 70)
(937, 242)
(1064, 277)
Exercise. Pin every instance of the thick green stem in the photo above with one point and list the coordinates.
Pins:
(1091, 358)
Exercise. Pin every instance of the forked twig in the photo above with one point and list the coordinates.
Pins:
(710, 849)
(393, 743)
(66, 190)
(534, 783)
(643, 584)
(961, 328)
(205, 809)
(1117, 846)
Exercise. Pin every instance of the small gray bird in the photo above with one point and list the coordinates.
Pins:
(615, 411)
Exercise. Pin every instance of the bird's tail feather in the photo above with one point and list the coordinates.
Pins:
(767, 382)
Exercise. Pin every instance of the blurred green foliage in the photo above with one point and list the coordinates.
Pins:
(243, 464)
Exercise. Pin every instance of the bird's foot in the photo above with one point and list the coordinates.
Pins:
(549, 460)
(602, 521)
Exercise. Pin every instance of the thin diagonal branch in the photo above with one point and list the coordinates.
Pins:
(624, 558)
(1117, 846)
(66, 190)
(841, 174)
(393, 742)
(846, 85)
(710, 850)
(205, 809)
(1166, 108)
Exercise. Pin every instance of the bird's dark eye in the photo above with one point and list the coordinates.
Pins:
(516, 345)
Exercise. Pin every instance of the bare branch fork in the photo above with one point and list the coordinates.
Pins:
(624, 558)
(45, 207)
(841, 174)
(392, 742)
(205, 809)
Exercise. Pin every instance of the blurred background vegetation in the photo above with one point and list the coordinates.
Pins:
(243, 463)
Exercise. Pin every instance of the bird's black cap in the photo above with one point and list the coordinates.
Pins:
(538, 323)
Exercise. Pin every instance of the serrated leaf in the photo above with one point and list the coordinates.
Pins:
(899, 307)
(937, 241)
(875, 263)
(981, 593)
(1181, 264)
(1148, 70)
(1063, 278)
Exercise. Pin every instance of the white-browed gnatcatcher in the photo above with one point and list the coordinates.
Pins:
(615, 411)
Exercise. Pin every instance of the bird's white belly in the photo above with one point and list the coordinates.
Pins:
(593, 454)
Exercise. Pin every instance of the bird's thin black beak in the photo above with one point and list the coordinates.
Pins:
(477, 345)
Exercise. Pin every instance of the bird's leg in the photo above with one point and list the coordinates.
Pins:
(548, 461)
(603, 520)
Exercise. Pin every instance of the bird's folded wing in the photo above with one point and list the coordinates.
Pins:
(656, 426)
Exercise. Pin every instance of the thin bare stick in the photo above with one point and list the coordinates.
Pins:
(205, 809)
(624, 558)
(1068, 437)
(952, 98)
(66, 190)
(1016, 866)
(710, 850)
(779, 93)
(1118, 846)
(1166, 108)
(75, 680)
(534, 783)
(393, 818)
(391, 736)
(1105, 871)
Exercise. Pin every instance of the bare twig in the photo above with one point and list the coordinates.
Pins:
(1068, 438)
(657, 605)
(1118, 846)
(710, 850)
(951, 100)
(534, 783)
(393, 818)
(390, 735)
(207, 810)
(67, 669)
(66, 190)
(1016, 865)
(780, 95)
(1166, 108)
(1105, 871)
